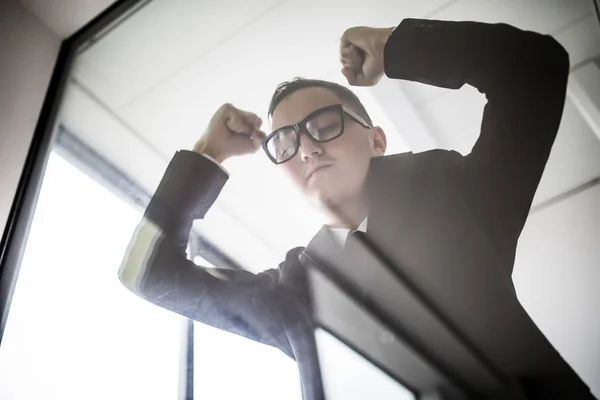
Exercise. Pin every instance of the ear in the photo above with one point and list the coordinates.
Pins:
(379, 141)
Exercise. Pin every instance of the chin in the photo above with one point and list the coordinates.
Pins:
(321, 197)
(327, 198)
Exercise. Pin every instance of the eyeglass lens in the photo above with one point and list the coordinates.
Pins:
(321, 127)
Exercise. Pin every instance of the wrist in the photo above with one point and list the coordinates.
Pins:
(202, 147)
(384, 35)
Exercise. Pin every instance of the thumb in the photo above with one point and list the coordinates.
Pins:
(354, 35)
(350, 75)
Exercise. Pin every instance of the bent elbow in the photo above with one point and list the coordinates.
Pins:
(559, 57)
(129, 278)
(553, 62)
(126, 279)
(139, 254)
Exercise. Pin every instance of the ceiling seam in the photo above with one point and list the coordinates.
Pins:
(559, 198)
(125, 124)
(112, 26)
(570, 24)
(203, 54)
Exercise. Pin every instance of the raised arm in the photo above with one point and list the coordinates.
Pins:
(524, 77)
(156, 267)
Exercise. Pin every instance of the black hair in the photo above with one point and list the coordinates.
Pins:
(346, 95)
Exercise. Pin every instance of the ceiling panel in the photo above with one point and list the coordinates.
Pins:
(545, 16)
(158, 40)
(581, 40)
(556, 277)
(575, 156)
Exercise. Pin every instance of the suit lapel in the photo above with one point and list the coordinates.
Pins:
(390, 186)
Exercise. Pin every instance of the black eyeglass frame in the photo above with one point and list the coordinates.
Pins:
(300, 127)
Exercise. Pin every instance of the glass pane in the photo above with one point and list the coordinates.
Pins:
(229, 367)
(341, 367)
(441, 188)
(73, 330)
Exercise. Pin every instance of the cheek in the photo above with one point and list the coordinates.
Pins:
(352, 156)
(349, 148)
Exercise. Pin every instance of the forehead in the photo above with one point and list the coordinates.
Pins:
(296, 106)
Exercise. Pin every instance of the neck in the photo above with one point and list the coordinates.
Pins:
(349, 213)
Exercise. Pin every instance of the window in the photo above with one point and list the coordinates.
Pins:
(74, 332)
(228, 367)
(145, 85)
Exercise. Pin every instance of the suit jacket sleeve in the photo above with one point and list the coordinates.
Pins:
(523, 76)
(156, 267)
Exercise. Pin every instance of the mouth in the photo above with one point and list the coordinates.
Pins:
(317, 171)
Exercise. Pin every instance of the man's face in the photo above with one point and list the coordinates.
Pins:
(334, 171)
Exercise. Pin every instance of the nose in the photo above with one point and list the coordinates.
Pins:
(309, 148)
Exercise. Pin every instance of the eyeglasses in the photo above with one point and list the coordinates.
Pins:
(322, 125)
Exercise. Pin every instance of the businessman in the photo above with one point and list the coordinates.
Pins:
(432, 212)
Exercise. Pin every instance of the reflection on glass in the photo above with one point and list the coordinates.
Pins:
(230, 367)
(349, 376)
(147, 91)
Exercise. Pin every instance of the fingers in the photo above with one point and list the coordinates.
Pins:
(243, 134)
(236, 124)
(252, 118)
(257, 138)
(247, 126)
(350, 75)
(361, 54)
(242, 122)
(352, 57)
(352, 35)
(245, 144)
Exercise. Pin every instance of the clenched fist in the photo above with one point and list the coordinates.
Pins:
(231, 132)
(361, 54)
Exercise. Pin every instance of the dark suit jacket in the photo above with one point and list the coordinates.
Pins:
(436, 213)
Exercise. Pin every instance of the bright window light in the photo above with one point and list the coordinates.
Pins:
(231, 367)
(74, 332)
(259, 371)
(340, 366)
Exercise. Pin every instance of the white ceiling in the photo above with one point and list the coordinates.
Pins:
(65, 17)
(149, 87)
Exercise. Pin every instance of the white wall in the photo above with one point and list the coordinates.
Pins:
(557, 277)
(28, 51)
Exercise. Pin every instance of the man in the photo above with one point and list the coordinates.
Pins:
(435, 212)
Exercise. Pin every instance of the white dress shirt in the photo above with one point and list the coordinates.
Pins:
(341, 234)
